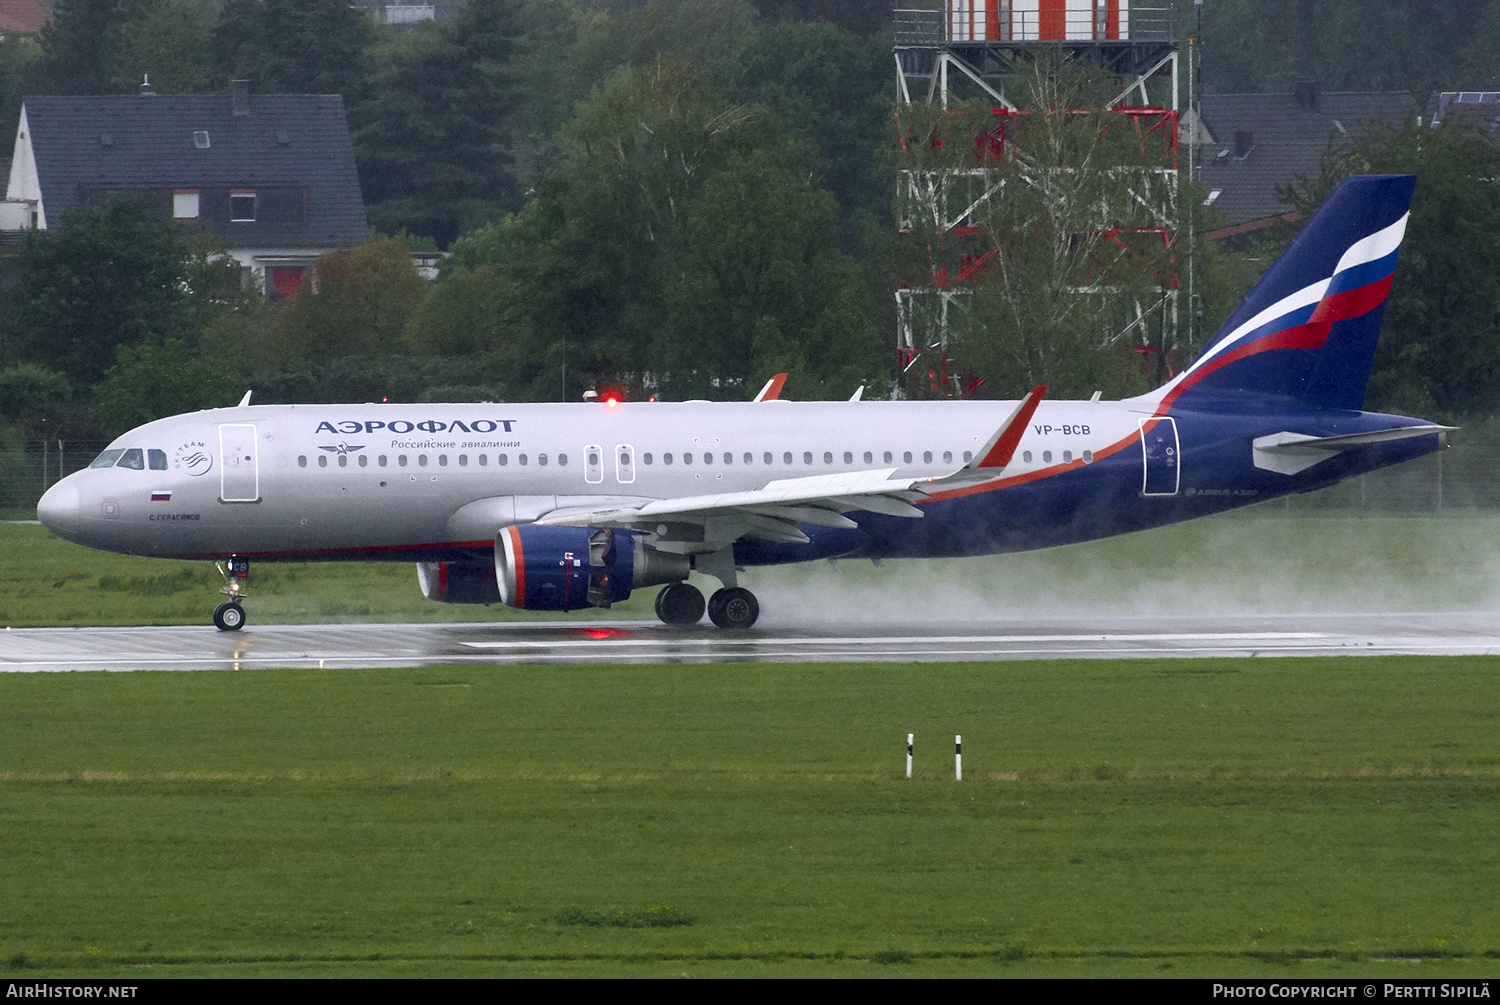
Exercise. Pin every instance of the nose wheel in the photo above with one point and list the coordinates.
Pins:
(229, 617)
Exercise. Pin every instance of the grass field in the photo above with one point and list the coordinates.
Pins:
(1234, 818)
(1259, 560)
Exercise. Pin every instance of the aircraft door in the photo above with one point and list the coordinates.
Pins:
(239, 463)
(593, 465)
(624, 464)
(1163, 457)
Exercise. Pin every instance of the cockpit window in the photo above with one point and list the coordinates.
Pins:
(107, 459)
(132, 459)
(157, 459)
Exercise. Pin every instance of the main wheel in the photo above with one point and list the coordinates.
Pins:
(679, 604)
(733, 608)
(229, 617)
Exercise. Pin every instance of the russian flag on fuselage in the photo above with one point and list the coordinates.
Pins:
(1309, 327)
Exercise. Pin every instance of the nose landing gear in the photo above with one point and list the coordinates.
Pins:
(230, 617)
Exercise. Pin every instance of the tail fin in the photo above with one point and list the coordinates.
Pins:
(1309, 327)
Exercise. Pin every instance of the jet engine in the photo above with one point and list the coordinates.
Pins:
(565, 568)
(458, 582)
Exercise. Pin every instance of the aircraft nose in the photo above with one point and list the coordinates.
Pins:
(58, 509)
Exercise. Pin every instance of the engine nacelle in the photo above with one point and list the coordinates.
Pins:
(565, 568)
(458, 582)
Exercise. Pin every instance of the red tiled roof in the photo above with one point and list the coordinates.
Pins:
(25, 16)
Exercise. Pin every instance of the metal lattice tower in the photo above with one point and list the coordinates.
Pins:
(966, 49)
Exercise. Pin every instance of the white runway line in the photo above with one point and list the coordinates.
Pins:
(910, 639)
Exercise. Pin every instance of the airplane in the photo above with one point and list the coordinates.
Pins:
(560, 507)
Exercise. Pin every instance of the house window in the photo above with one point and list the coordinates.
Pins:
(185, 205)
(242, 207)
(200, 139)
(286, 281)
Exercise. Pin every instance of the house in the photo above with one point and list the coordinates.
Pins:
(23, 17)
(1474, 110)
(272, 174)
(1248, 144)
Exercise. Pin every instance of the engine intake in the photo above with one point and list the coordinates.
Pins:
(566, 568)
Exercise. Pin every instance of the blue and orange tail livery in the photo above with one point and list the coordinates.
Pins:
(1308, 329)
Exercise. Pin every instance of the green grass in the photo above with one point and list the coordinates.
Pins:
(1260, 559)
(1225, 817)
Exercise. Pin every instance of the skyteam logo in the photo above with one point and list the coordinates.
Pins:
(194, 458)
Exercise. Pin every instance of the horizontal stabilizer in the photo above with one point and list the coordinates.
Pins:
(1288, 453)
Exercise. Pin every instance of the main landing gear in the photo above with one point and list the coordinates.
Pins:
(682, 604)
(230, 617)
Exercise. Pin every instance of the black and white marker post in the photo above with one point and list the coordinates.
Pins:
(958, 758)
(908, 754)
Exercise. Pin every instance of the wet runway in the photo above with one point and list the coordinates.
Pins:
(564, 642)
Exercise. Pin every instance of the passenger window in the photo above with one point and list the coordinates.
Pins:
(906, 457)
(463, 460)
(132, 459)
(786, 458)
(645, 458)
(728, 457)
(302, 461)
(484, 460)
(502, 459)
(828, 457)
(848, 457)
(807, 457)
(887, 456)
(322, 460)
(687, 458)
(379, 460)
(1067, 455)
(343, 460)
(364, 461)
(521, 459)
(749, 457)
(927, 457)
(421, 460)
(869, 457)
(968, 457)
(107, 459)
(708, 458)
(1088, 457)
(562, 460)
(1026, 456)
(401, 460)
(767, 457)
(1046, 457)
(947, 457)
(541, 460)
(157, 459)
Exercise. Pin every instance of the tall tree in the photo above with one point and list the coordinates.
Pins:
(80, 46)
(295, 46)
(435, 147)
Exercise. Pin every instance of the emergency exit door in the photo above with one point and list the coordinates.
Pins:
(239, 463)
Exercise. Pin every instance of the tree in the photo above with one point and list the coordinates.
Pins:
(673, 243)
(295, 46)
(80, 46)
(109, 275)
(434, 149)
(1439, 351)
(159, 378)
(169, 42)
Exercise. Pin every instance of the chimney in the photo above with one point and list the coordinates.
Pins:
(146, 90)
(241, 91)
(1309, 94)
